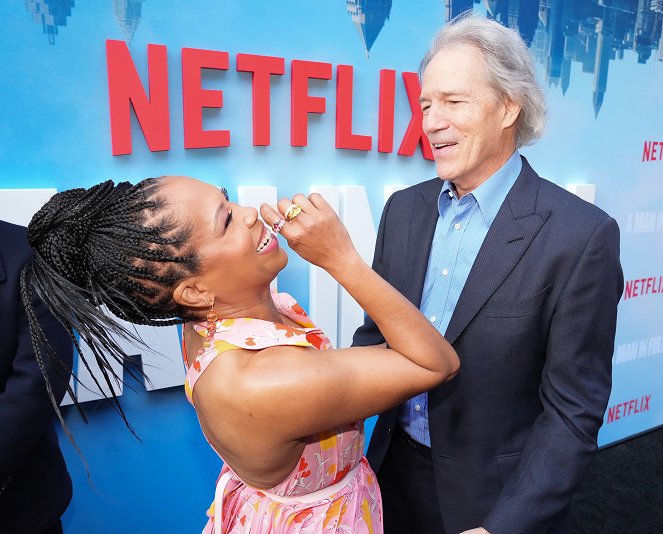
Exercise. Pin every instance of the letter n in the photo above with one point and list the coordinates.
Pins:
(125, 91)
(646, 151)
(628, 289)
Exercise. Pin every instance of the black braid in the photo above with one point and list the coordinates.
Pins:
(110, 246)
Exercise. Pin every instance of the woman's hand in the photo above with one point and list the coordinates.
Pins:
(316, 233)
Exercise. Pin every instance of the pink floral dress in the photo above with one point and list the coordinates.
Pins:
(331, 489)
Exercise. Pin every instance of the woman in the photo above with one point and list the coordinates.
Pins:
(284, 419)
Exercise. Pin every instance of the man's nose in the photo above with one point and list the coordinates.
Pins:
(435, 119)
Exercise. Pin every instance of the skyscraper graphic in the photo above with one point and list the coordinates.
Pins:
(51, 14)
(589, 32)
(520, 15)
(555, 43)
(605, 32)
(456, 7)
(128, 14)
(647, 30)
(369, 17)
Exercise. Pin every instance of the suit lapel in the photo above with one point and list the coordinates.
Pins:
(515, 226)
(424, 217)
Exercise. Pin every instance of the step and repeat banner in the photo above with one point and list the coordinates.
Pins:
(269, 99)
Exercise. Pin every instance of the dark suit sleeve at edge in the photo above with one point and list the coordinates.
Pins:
(25, 408)
(368, 333)
(575, 388)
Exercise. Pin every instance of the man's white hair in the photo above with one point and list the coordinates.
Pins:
(509, 64)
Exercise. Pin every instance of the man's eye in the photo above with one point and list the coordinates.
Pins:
(228, 219)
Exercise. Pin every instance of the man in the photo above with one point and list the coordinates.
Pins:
(523, 278)
(35, 487)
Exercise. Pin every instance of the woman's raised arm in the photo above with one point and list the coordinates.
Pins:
(340, 386)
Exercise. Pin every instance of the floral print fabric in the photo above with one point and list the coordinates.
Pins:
(331, 489)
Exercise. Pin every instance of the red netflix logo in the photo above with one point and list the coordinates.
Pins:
(652, 150)
(151, 106)
(630, 407)
(643, 286)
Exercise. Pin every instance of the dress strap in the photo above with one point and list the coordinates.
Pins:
(256, 334)
(321, 494)
(224, 479)
(307, 498)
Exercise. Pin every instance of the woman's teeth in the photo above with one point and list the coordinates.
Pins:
(267, 239)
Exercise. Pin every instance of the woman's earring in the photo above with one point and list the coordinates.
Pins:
(212, 318)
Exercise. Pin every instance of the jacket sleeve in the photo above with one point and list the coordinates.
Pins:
(25, 407)
(368, 333)
(574, 391)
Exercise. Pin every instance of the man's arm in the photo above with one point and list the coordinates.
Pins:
(25, 407)
(575, 389)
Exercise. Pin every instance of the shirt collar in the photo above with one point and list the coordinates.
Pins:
(490, 194)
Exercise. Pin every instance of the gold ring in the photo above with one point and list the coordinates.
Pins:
(292, 211)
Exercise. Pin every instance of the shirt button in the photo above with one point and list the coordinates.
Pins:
(445, 272)
(417, 408)
(457, 226)
(451, 195)
(432, 318)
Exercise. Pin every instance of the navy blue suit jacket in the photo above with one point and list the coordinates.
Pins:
(35, 488)
(534, 329)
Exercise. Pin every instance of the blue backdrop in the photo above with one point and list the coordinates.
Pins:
(600, 64)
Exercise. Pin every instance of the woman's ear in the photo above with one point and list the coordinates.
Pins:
(188, 294)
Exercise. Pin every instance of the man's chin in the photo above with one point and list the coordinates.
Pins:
(443, 172)
(445, 176)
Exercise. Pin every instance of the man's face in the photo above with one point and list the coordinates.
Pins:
(470, 128)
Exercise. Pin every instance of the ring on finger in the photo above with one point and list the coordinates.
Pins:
(277, 225)
(292, 212)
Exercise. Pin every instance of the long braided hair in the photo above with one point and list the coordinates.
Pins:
(112, 247)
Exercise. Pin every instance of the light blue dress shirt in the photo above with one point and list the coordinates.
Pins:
(460, 230)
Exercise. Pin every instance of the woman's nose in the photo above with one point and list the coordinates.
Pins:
(247, 214)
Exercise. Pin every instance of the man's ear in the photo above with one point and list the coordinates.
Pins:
(190, 295)
(511, 112)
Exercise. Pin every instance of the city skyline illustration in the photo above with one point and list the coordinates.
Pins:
(591, 33)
